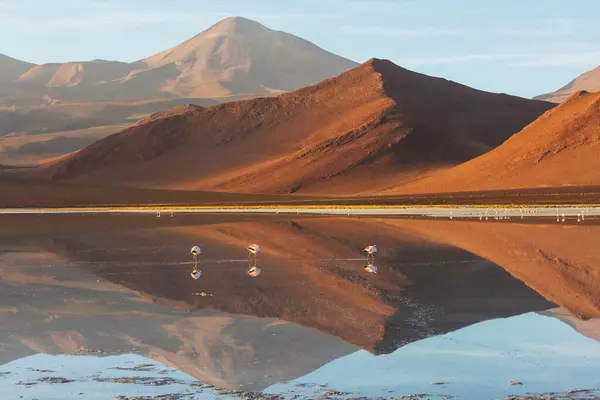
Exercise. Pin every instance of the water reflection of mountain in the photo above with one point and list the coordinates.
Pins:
(58, 309)
(587, 327)
(422, 288)
(58, 292)
(561, 262)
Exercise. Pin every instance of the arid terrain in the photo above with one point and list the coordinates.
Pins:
(335, 200)
(51, 109)
(175, 128)
(376, 124)
(559, 149)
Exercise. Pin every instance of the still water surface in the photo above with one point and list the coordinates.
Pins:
(98, 307)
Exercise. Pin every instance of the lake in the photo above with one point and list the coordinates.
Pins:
(105, 307)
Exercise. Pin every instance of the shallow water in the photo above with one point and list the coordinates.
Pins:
(104, 306)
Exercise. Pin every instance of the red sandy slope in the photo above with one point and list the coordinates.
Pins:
(375, 124)
(561, 148)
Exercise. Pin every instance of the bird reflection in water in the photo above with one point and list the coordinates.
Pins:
(372, 268)
(195, 274)
(253, 269)
(369, 252)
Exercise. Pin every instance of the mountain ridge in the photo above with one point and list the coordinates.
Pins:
(588, 81)
(559, 148)
(368, 124)
(11, 68)
(234, 59)
(235, 56)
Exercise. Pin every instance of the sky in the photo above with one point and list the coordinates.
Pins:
(520, 47)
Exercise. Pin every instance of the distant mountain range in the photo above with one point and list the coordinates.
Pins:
(589, 81)
(81, 102)
(236, 56)
(188, 118)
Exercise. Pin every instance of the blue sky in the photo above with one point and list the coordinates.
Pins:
(521, 47)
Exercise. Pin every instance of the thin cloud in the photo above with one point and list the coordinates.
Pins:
(401, 32)
(519, 60)
(464, 58)
(583, 60)
(548, 27)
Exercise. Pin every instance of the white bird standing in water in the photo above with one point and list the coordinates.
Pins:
(372, 268)
(369, 252)
(253, 250)
(196, 252)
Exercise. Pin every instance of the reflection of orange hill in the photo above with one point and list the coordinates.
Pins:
(302, 282)
(346, 134)
(559, 262)
(558, 149)
(232, 60)
(62, 310)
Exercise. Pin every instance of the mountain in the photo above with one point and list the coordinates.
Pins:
(558, 149)
(589, 81)
(236, 56)
(75, 103)
(356, 131)
(11, 68)
(240, 56)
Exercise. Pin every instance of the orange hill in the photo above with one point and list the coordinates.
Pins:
(561, 148)
(363, 128)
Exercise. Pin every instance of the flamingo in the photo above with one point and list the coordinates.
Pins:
(370, 251)
(253, 250)
(196, 252)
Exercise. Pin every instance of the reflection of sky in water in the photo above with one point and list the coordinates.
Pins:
(85, 371)
(476, 362)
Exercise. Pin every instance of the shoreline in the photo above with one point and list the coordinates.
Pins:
(481, 212)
